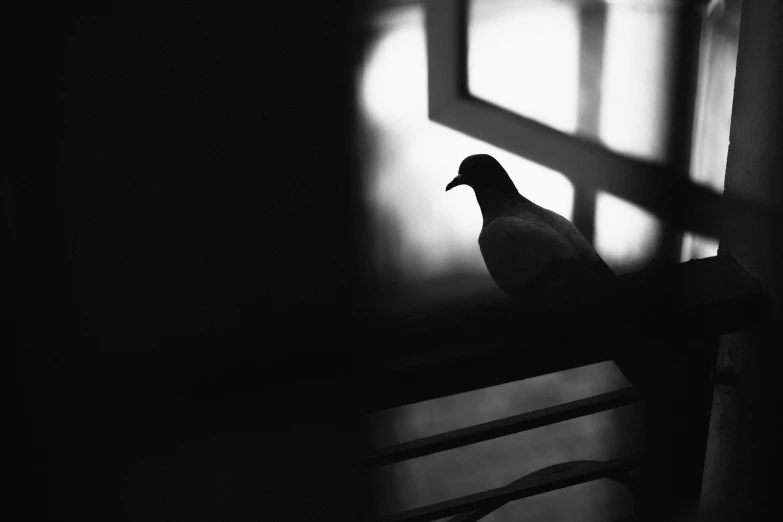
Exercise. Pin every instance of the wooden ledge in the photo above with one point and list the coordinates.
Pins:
(494, 342)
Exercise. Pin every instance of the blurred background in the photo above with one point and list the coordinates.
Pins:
(598, 70)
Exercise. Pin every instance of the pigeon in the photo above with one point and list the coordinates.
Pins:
(533, 254)
(529, 251)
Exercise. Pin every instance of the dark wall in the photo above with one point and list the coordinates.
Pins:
(180, 222)
(744, 455)
(203, 174)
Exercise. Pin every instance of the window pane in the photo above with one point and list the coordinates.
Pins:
(636, 99)
(524, 56)
(558, 61)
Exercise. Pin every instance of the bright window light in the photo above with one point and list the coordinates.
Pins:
(637, 70)
(506, 64)
(698, 247)
(625, 235)
(717, 68)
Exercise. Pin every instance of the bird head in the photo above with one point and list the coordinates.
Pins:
(480, 171)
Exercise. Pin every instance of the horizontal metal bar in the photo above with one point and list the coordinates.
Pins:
(621, 477)
(500, 428)
(526, 488)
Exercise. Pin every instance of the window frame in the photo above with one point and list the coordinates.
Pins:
(665, 191)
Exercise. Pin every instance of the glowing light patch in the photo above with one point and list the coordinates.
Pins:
(717, 70)
(637, 69)
(507, 65)
(625, 235)
(392, 84)
(695, 246)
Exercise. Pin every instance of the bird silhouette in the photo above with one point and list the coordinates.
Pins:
(535, 255)
(528, 249)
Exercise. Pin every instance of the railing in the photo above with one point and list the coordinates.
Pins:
(499, 428)
(681, 311)
(473, 507)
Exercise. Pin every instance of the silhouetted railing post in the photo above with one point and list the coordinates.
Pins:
(743, 469)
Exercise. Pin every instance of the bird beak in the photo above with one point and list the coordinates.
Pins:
(455, 182)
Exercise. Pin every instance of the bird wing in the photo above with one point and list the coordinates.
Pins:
(584, 250)
(517, 249)
(563, 280)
